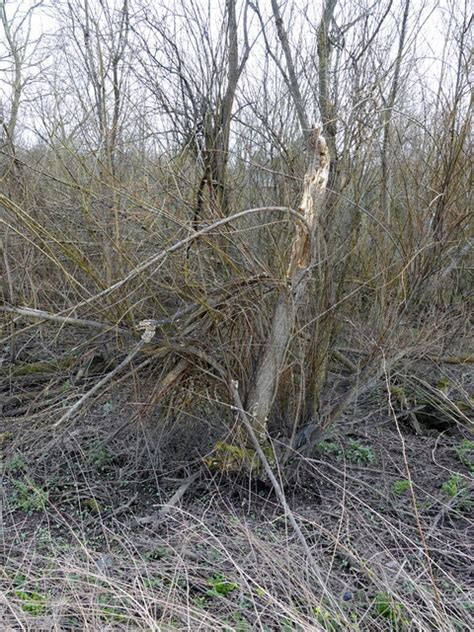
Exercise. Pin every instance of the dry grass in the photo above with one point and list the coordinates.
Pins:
(78, 556)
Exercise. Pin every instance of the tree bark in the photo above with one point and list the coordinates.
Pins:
(326, 105)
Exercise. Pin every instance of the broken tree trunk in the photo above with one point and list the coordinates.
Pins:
(303, 255)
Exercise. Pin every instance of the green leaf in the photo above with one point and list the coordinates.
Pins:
(220, 587)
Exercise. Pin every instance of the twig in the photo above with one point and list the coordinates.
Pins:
(173, 501)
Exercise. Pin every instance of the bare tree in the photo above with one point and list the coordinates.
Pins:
(17, 57)
(388, 113)
(99, 39)
(206, 72)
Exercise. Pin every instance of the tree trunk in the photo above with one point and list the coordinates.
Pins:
(217, 123)
(265, 384)
(326, 105)
(387, 120)
(322, 329)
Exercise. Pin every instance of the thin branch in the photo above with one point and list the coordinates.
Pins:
(180, 244)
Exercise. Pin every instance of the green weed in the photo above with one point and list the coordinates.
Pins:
(108, 407)
(326, 620)
(355, 452)
(200, 602)
(110, 611)
(455, 487)
(100, 457)
(32, 602)
(153, 581)
(16, 464)
(465, 453)
(400, 487)
(329, 448)
(452, 486)
(239, 622)
(157, 553)
(220, 586)
(386, 607)
(361, 454)
(29, 497)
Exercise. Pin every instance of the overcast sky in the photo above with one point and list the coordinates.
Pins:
(429, 26)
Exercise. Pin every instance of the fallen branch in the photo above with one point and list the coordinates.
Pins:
(36, 368)
(105, 380)
(64, 320)
(469, 359)
(344, 360)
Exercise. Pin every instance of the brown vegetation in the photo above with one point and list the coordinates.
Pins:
(266, 372)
